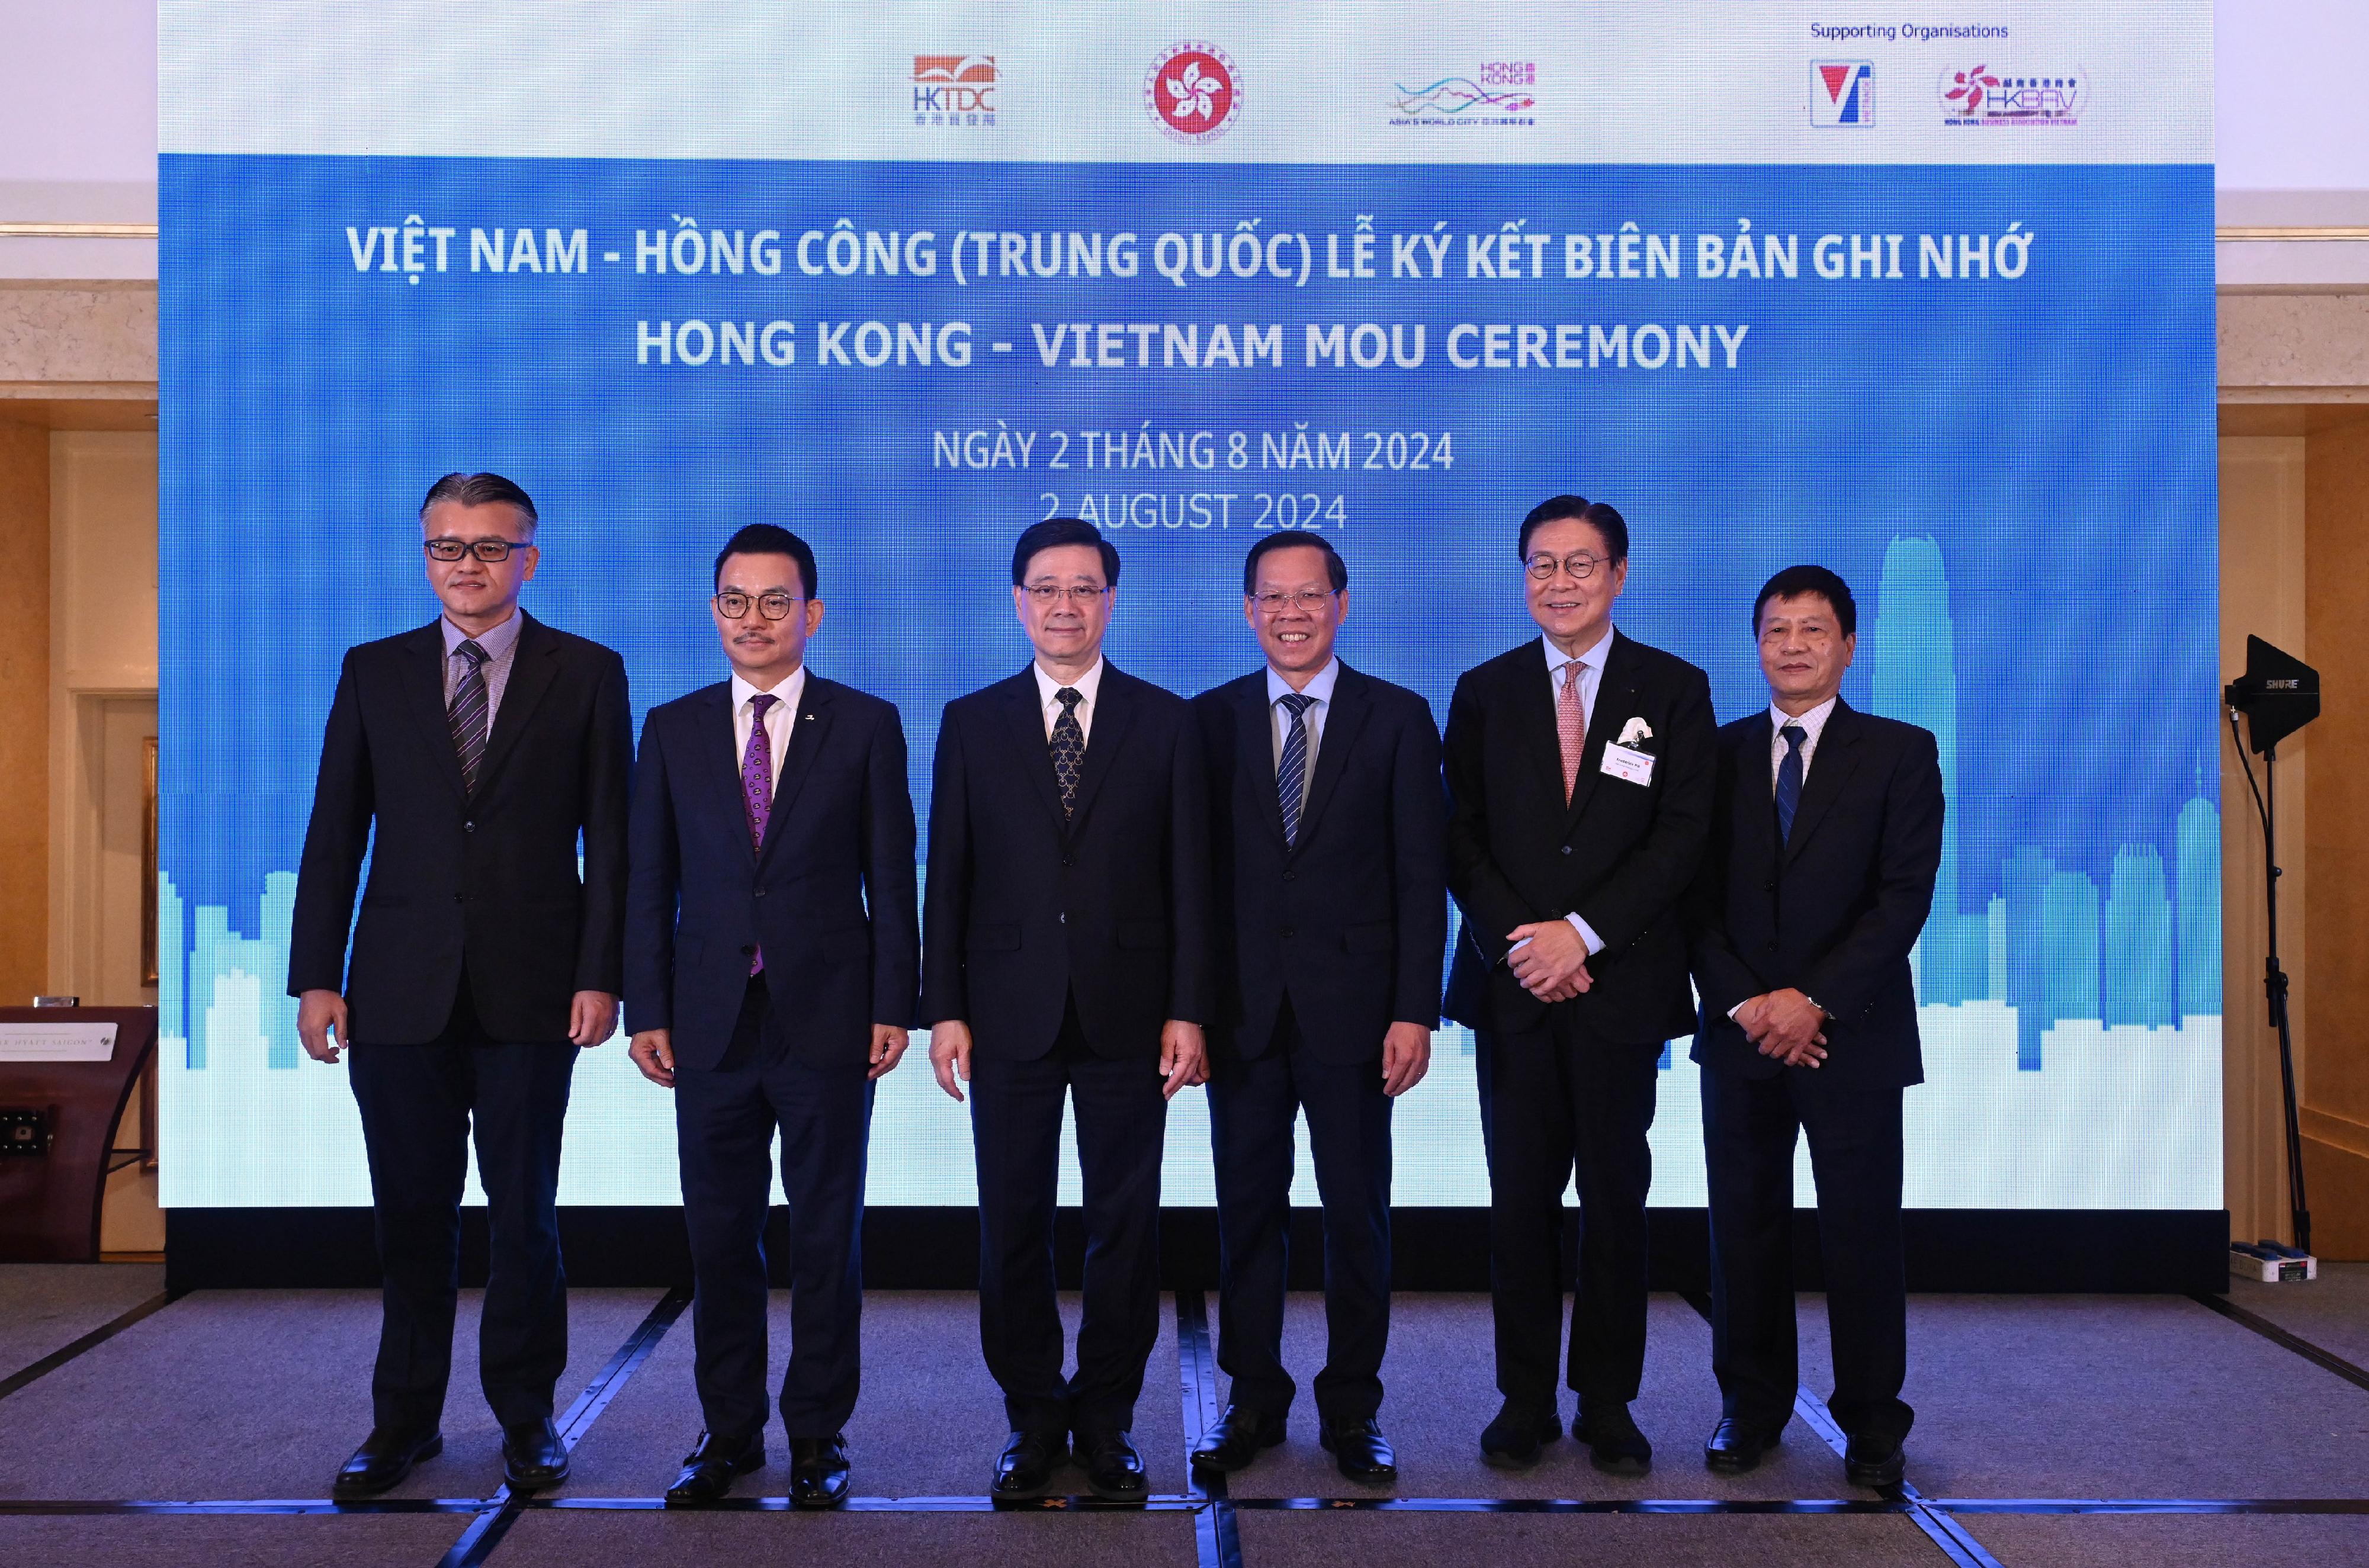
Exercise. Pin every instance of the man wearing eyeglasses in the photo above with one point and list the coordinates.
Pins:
(466, 760)
(1331, 905)
(769, 976)
(1067, 919)
(1579, 774)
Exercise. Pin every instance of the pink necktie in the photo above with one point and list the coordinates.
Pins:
(1571, 728)
(757, 787)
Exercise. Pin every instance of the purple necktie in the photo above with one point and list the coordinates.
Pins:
(757, 789)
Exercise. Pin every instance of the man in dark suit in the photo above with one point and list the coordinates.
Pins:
(772, 965)
(1825, 841)
(480, 748)
(1067, 923)
(1579, 772)
(1330, 914)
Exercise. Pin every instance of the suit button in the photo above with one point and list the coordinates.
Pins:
(468, 827)
(761, 892)
(1065, 860)
(1566, 849)
(749, 950)
(1065, 916)
(1768, 886)
(460, 898)
(1285, 934)
(1769, 947)
(1291, 876)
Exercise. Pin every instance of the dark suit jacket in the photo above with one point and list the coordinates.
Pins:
(830, 898)
(487, 880)
(1835, 912)
(1349, 922)
(1620, 855)
(1020, 912)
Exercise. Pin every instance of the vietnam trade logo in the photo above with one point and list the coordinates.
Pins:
(1842, 92)
(1192, 92)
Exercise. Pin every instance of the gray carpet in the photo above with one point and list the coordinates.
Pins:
(2112, 1396)
(1665, 1540)
(310, 1541)
(1439, 1390)
(929, 1422)
(46, 1305)
(260, 1394)
(2172, 1541)
(888, 1540)
(2331, 1311)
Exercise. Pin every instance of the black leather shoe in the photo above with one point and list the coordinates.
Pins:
(1512, 1441)
(533, 1457)
(1361, 1453)
(1113, 1470)
(1237, 1439)
(1024, 1468)
(385, 1458)
(1869, 1461)
(708, 1469)
(1737, 1446)
(819, 1470)
(1614, 1443)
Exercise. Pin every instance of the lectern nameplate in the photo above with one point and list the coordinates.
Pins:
(57, 1042)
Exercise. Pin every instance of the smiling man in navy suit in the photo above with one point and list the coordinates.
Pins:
(1826, 843)
(1069, 936)
(772, 960)
(1331, 902)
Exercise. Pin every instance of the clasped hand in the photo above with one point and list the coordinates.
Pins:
(1787, 1026)
(1552, 967)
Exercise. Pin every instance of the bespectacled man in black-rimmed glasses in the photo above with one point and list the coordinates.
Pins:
(467, 760)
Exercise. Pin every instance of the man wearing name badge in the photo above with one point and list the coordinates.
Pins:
(772, 965)
(1331, 905)
(1579, 776)
(466, 760)
(1825, 841)
(1067, 925)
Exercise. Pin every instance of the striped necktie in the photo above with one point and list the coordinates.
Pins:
(1291, 775)
(467, 713)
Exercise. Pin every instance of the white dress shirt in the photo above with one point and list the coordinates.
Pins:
(1589, 673)
(501, 652)
(1320, 687)
(778, 719)
(1813, 723)
(1088, 685)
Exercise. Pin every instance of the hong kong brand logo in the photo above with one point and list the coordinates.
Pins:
(1987, 94)
(954, 89)
(1193, 91)
(1842, 92)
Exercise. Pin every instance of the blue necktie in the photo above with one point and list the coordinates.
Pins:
(1789, 781)
(1291, 775)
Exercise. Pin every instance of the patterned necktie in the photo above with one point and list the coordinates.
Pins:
(1068, 744)
(1571, 727)
(467, 712)
(757, 788)
(1789, 781)
(1291, 775)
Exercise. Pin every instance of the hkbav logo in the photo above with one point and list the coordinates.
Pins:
(954, 89)
(1192, 92)
(1842, 92)
(1984, 95)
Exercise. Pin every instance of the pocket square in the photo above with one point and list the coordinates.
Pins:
(1636, 729)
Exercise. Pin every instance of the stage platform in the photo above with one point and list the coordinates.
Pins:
(136, 1428)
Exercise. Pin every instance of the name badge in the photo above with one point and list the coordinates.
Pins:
(1626, 763)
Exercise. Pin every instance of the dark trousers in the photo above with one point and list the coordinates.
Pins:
(1253, 1105)
(1015, 1117)
(1555, 1100)
(418, 1106)
(1855, 1150)
(725, 1119)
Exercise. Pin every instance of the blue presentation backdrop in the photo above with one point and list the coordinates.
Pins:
(1983, 395)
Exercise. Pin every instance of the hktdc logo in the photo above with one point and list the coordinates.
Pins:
(1842, 92)
(1192, 92)
(954, 89)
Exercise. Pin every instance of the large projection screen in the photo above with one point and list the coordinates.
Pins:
(1931, 304)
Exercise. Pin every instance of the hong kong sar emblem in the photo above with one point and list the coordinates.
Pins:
(1192, 92)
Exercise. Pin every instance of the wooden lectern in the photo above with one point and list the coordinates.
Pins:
(62, 1092)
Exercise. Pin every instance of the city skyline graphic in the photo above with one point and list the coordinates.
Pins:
(2073, 1010)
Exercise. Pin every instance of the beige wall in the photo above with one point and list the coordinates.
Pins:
(24, 709)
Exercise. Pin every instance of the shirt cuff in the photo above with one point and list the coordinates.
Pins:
(1586, 934)
(1737, 1009)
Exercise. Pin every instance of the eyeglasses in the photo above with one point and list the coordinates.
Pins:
(1579, 564)
(1046, 593)
(733, 605)
(493, 552)
(1308, 600)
